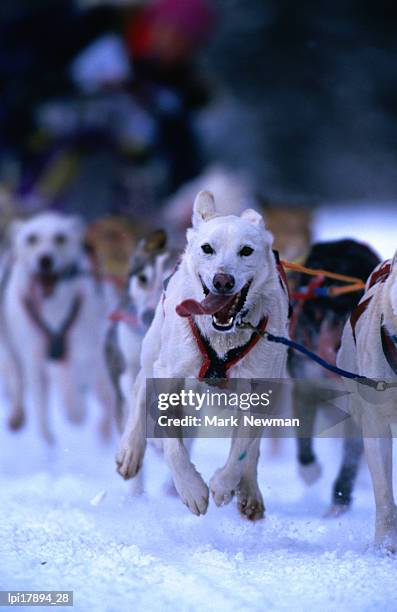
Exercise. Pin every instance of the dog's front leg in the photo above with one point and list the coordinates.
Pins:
(37, 391)
(378, 451)
(249, 498)
(14, 384)
(66, 384)
(132, 446)
(106, 398)
(188, 482)
(224, 483)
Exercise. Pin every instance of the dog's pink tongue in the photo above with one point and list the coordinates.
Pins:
(211, 304)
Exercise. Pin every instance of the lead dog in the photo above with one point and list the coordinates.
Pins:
(54, 314)
(228, 272)
(369, 347)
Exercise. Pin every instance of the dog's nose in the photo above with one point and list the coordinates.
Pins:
(223, 283)
(147, 316)
(46, 263)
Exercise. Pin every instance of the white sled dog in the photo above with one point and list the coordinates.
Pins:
(228, 272)
(54, 314)
(149, 266)
(369, 347)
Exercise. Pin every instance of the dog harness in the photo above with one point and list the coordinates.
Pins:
(56, 339)
(127, 314)
(217, 367)
(389, 341)
(214, 366)
(283, 280)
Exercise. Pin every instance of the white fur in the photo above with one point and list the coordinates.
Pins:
(85, 364)
(169, 350)
(145, 297)
(376, 410)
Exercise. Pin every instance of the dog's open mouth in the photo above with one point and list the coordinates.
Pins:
(47, 282)
(223, 308)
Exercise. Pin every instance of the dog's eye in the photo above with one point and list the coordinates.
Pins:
(246, 251)
(32, 239)
(207, 249)
(60, 239)
(143, 279)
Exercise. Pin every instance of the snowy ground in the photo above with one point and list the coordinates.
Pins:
(129, 554)
(151, 554)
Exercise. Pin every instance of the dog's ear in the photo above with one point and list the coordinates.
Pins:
(203, 208)
(156, 241)
(77, 226)
(253, 217)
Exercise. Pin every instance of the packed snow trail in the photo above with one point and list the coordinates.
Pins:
(121, 553)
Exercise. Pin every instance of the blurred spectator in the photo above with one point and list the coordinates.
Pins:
(69, 126)
(163, 39)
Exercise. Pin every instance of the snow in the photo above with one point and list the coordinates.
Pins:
(68, 522)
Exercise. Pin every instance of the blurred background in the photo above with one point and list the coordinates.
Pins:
(120, 110)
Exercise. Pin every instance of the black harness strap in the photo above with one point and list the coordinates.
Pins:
(56, 339)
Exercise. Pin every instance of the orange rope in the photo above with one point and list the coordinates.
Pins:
(335, 291)
(354, 281)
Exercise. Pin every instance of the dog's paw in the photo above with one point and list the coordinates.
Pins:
(16, 420)
(310, 472)
(386, 534)
(223, 487)
(387, 542)
(130, 455)
(250, 501)
(193, 491)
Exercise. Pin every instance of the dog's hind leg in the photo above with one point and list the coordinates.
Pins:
(353, 448)
(305, 410)
(378, 451)
(249, 498)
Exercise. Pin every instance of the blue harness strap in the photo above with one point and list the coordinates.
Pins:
(378, 385)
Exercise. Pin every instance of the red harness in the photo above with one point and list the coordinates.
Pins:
(378, 276)
(381, 274)
(302, 297)
(389, 341)
(124, 316)
(214, 366)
